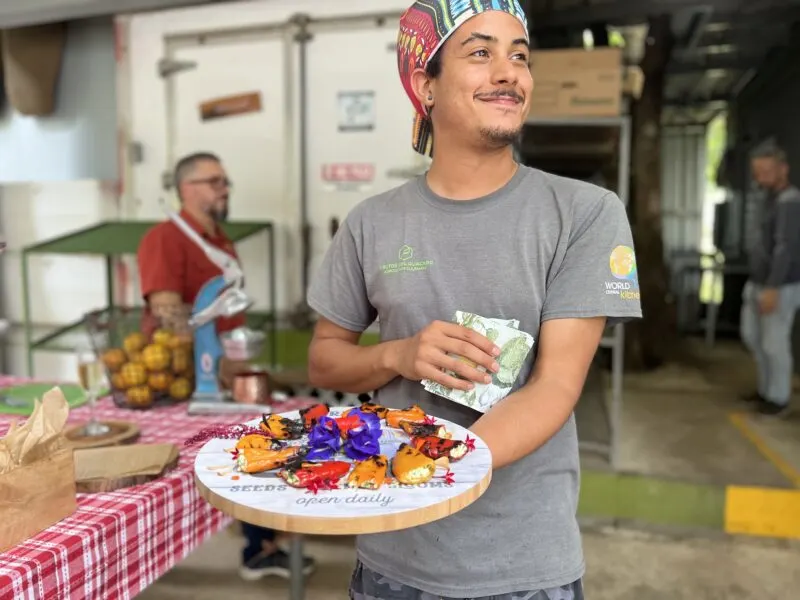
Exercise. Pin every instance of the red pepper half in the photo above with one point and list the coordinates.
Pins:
(312, 414)
(348, 423)
(316, 476)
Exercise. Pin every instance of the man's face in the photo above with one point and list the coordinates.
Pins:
(484, 89)
(207, 189)
(769, 173)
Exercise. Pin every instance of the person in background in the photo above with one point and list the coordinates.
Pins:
(172, 270)
(771, 295)
(482, 233)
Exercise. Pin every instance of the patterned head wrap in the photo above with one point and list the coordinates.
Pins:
(424, 28)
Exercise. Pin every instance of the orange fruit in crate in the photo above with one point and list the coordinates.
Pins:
(163, 337)
(118, 381)
(133, 374)
(113, 359)
(181, 361)
(136, 358)
(181, 340)
(156, 357)
(134, 343)
(140, 396)
(180, 389)
(161, 381)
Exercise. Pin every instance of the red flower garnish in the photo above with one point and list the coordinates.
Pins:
(449, 478)
(470, 442)
(428, 420)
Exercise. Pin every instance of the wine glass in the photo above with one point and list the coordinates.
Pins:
(91, 375)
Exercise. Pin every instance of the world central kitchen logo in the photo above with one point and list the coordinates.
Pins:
(622, 264)
(405, 262)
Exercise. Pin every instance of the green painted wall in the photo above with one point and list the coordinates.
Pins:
(292, 347)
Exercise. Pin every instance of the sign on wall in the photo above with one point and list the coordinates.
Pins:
(356, 111)
(239, 104)
(348, 176)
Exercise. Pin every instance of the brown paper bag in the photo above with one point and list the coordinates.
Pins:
(36, 496)
(37, 472)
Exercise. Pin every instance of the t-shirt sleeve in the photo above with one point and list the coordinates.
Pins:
(597, 275)
(338, 290)
(161, 265)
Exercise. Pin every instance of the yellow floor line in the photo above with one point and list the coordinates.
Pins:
(740, 422)
(762, 512)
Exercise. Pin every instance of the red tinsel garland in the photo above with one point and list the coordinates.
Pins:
(227, 432)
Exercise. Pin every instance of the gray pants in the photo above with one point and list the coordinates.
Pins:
(369, 585)
(769, 339)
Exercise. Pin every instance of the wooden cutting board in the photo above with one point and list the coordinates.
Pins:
(107, 469)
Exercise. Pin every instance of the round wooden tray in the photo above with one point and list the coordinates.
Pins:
(121, 432)
(264, 500)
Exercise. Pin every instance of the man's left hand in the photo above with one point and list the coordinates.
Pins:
(768, 301)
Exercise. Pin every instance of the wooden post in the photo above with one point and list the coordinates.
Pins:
(652, 340)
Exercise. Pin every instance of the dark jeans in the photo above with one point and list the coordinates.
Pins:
(369, 585)
(255, 536)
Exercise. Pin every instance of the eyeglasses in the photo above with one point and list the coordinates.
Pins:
(216, 182)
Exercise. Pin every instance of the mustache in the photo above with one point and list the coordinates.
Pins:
(502, 94)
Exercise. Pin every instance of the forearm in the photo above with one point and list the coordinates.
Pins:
(340, 365)
(525, 421)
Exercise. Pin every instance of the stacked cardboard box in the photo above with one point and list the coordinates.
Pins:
(582, 83)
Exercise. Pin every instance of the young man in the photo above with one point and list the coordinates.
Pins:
(771, 296)
(483, 234)
(172, 270)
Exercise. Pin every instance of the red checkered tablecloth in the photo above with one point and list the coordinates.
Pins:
(118, 543)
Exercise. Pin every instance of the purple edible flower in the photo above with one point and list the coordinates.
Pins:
(324, 439)
(364, 441)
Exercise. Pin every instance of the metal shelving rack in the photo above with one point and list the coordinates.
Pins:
(113, 239)
(615, 341)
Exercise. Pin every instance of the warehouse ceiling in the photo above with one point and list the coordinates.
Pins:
(721, 44)
(17, 13)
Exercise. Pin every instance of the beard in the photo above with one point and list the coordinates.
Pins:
(219, 215)
(496, 137)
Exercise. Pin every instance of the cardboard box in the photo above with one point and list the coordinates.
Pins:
(577, 83)
(36, 496)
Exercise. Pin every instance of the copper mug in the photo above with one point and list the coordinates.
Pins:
(251, 387)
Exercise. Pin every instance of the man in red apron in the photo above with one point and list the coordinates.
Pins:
(172, 271)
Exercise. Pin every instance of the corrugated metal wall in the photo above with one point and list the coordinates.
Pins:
(683, 163)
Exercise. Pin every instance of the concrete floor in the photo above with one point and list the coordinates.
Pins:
(676, 423)
(621, 565)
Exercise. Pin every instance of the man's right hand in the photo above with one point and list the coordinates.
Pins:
(438, 347)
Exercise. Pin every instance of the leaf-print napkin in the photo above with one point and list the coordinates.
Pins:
(514, 348)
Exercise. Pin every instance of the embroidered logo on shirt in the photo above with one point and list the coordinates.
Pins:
(622, 264)
(405, 262)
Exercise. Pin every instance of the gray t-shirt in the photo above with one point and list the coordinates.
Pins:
(542, 247)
